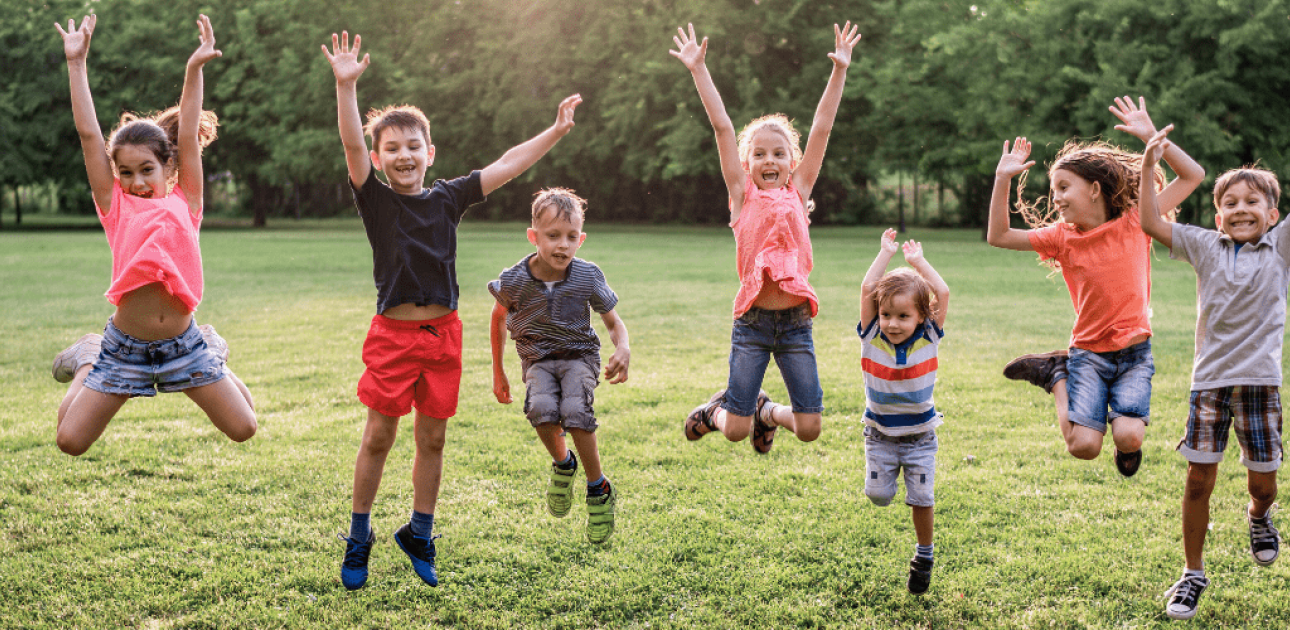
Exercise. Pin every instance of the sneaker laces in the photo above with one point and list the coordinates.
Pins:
(1262, 532)
(355, 554)
(1186, 590)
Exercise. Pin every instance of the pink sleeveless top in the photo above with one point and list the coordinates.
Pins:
(771, 238)
(153, 240)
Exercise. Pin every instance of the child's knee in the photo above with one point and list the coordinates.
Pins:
(244, 430)
(809, 426)
(1263, 487)
(71, 444)
(543, 409)
(880, 496)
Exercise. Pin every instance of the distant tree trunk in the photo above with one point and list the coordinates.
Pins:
(915, 197)
(900, 202)
(975, 201)
(264, 197)
(17, 206)
(940, 200)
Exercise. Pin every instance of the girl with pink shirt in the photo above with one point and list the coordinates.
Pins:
(769, 179)
(147, 186)
(1098, 244)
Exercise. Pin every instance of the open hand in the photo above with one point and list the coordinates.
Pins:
(76, 41)
(1156, 147)
(913, 251)
(691, 51)
(889, 241)
(1013, 163)
(564, 114)
(844, 39)
(1134, 118)
(206, 51)
(344, 60)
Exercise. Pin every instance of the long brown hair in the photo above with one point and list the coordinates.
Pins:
(159, 133)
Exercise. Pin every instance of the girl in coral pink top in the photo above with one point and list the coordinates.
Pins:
(147, 186)
(1105, 376)
(769, 179)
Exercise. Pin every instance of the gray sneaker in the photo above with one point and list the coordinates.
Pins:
(83, 352)
(215, 342)
(1265, 540)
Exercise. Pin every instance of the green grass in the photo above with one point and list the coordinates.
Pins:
(166, 524)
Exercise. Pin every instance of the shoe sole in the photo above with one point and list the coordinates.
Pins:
(65, 364)
(414, 565)
(1180, 616)
(693, 424)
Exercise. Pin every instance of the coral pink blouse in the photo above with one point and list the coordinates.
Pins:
(771, 238)
(153, 240)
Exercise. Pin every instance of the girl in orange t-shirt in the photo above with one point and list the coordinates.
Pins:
(769, 179)
(1098, 243)
(147, 186)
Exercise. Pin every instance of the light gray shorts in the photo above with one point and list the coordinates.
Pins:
(562, 391)
(885, 456)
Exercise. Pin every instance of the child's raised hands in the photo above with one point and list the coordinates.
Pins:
(889, 241)
(1134, 118)
(76, 41)
(206, 51)
(691, 51)
(913, 252)
(1013, 163)
(1156, 147)
(564, 115)
(844, 39)
(344, 60)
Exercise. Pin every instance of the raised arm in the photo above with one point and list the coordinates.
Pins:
(868, 303)
(191, 179)
(844, 40)
(346, 66)
(1152, 223)
(497, 339)
(1012, 163)
(1135, 121)
(98, 166)
(693, 54)
(914, 257)
(522, 156)
(616, 368)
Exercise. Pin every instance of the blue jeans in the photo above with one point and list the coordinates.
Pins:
(134, 367)
(786, 335)
(1120, 380)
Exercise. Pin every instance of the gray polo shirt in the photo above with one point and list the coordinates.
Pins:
(1240, 304)
(556, 321)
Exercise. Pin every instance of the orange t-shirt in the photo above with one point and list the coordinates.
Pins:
(771, 237)
(1108, 273)
(153, 240)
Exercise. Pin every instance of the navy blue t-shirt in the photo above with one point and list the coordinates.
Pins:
(414, 239)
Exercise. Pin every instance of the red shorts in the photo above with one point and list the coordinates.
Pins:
(412, 363)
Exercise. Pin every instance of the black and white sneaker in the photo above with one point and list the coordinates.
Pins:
(920, 575)
(1184, 596)
(1265, 540)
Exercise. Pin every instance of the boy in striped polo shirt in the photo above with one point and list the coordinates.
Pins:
(902, 315)
(545, 302)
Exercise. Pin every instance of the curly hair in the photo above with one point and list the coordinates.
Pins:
(562, 201)
(906, 281)
(159, 133)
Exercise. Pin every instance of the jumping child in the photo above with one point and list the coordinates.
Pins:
(902, 321)
(413, 348)
(1242, 275)
(147, 187)
(545, 302)
(1105, 261)
(769, 180)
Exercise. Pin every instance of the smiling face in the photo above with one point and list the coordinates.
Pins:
(403, 154)
(557, 239)
(140, 172)
(898, 317)
(1078, 201)
(770, 158)
(1244, 213)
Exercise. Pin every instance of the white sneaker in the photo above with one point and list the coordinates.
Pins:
(1265, 540)
(1184, 596)
(83, 352)
(215, 342)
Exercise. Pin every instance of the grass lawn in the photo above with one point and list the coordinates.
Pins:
(164, 523)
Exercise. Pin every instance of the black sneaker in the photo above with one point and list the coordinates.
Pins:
(1265, 540)
(420, 551)
(353, 569)
(1039, 370)
(920, 575)
(1128, 463)
(1184, 596)
(699, 422)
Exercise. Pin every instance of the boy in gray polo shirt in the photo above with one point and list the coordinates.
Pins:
(545, 302)
(1242, 275)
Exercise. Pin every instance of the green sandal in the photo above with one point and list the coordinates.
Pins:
(559, 492)
(600, 517)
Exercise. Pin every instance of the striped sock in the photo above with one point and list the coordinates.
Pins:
(360, 526)
(598, 487)
(925, 551)
(570, 462)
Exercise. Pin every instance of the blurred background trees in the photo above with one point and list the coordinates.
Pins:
(935, 88)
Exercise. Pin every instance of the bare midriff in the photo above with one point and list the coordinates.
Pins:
(150, 313)
(772, 298)
(410, 312)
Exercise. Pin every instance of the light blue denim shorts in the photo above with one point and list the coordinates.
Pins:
(1119, 380)
(885, 456)
(760, 334)
(133, 367)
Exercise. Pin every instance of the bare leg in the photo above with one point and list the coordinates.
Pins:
(735, 428)
(550, 435)
(1195, 512)
(923, 519)
(1263, 491)
(73, 389)
(1128, 433)
(585, 442)
(241, 387)
(378, 438)
(1081, 441)
(227, 408)
(806, 426)
(84, 414)
(427, 468)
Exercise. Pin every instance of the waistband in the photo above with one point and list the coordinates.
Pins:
(797, 314)
(1131, 350)
(129, 344)
(413, 324)
(898, 439)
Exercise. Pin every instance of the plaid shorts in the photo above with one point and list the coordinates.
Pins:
(1255, 413)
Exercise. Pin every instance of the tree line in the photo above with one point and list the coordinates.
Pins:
(934, 89)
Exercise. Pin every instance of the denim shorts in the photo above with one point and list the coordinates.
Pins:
(133, 367)
(786, 334)
(1118, 380)
(885, 456)
(1253, 411)
(562, 391)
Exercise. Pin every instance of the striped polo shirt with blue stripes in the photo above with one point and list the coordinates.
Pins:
(898, 379)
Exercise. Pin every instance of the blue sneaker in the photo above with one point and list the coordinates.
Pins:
(420, 551)
(353, 569)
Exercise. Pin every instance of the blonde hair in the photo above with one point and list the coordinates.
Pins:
(906, 281)
(776, 122)
(1260, 179)
(566, 205)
